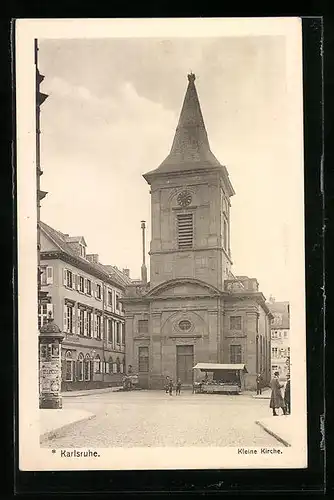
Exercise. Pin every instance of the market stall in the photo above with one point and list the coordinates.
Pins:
(220, 378)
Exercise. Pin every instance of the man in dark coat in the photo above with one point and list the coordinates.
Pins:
(276, 400)
(287, 395)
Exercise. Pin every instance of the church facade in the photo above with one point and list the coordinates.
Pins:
(193, 309)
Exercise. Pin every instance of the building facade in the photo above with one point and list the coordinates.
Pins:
(84, 299)
(193, 309)
(280, 338)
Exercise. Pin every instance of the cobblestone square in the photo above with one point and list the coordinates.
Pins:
(153, 419)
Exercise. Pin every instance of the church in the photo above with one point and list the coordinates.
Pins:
(193, 309)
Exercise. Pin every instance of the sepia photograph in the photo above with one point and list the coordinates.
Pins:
(161, 244)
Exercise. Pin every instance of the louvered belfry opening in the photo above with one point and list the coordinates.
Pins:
(185, 231)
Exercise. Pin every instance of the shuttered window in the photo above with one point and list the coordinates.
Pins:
(185, 230)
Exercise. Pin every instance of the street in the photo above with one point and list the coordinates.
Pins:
(153, 418)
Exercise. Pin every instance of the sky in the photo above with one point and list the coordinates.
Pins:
(111, 115)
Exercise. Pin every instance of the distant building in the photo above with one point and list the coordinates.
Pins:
(84, 300)
(193, 309)
(280, 337)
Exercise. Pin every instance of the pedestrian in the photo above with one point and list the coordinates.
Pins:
(276, 400)
(170, 387)
(178, 387)
(167, 385)
(259, 384)
(287, 395)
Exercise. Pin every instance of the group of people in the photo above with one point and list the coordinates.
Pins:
(169, 386)
(277, 399)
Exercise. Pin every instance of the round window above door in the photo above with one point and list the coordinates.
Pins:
(184, 325)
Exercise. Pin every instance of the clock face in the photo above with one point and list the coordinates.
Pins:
(184, 198)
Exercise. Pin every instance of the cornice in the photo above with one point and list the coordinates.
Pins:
(79, 264)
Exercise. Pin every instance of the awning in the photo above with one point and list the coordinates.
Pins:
(212, 367)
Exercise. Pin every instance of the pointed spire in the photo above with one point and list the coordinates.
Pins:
(190, 148)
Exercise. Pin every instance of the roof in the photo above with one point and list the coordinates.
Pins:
(281, 313)
(218, 366)
(118, 274)
(63, 242)
(190, 149)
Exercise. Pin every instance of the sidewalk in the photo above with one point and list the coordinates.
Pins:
(53, 423)
(87, 392)
(266, 394)
(278, 427)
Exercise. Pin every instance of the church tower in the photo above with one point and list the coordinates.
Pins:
(190, 205)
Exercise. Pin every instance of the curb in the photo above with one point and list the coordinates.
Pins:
(68, 394)
(60, 431)
(272, 433)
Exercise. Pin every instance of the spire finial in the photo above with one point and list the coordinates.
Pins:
(191, 77)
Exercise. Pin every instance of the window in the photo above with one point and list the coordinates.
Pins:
(118, 333)
(98, 326)
(98, 291)
(69, 279)
(277, 319)
(81, 284)
(235, 322)
(118, 365)
(80, 367)
(143, 364)
(69, 318)
(69, 367)
(185, 231)
(184, 325)
(81, 321)
(46, 275)
(87, 367)
(142, 326)
(97, 364)
(235, 354)
(109, 334)
(285, 334)
(274, 352)
(109, 298)
(274, 334)
(43, 314)
(89, 287)
(117, 303)
(82, 251)
(89, 323)
(225, 235)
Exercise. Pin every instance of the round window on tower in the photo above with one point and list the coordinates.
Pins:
(184, 325)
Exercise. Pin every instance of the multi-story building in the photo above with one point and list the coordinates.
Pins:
(84, 301)
(280, 338)
(193, 309)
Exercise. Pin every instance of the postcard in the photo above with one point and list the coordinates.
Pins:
(161, 303)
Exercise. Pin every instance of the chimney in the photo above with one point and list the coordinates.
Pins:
(126, 271)
(143, 266)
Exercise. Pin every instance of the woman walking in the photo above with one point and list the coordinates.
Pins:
(276, 400)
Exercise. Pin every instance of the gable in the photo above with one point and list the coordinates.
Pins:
(183, 287)
(47, 244)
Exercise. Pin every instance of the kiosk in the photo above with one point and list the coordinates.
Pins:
(220, 378)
